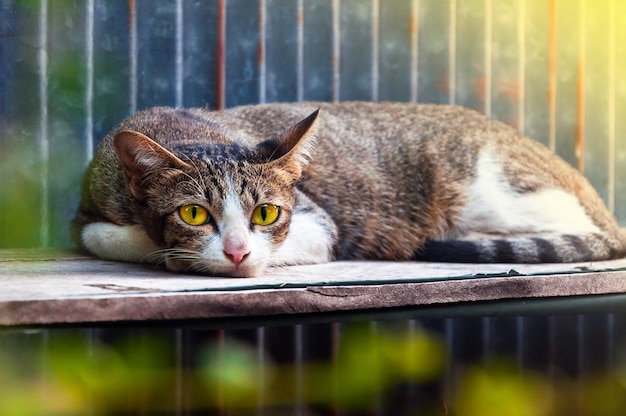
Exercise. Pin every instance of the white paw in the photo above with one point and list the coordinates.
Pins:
(128, 243)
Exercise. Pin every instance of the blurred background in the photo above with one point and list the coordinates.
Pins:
(71, 70)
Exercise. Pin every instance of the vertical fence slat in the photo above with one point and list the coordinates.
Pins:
(506, 87)
(179, 371)
(7, 50)
(200, 61)
(133, 34)
(242, 52)
(611, 82)
(261, 52)
(111, 66)
(597, 96)
(394, 61)
(375, 59)
(317, 71)
(42, 136)
(263, 380)
(299, 331)
(434, 44)
(336, 350)
(567, 43)
(471, 81)
(336, 48)
(179, 57)
(356, 40)
(281, 52)
(156, 53)
(486, 339)
(537, 70)
(88, 93)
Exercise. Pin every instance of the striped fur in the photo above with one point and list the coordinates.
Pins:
(555, 248)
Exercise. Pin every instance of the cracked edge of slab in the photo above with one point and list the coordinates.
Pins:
(206, 305)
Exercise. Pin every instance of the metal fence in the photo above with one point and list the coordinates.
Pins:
(70, 70)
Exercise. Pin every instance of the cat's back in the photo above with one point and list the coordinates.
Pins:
(354, 122)
(340, 125)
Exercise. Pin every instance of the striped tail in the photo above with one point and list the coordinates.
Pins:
(549, 248)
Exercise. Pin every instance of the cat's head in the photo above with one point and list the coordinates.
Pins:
(220, 209)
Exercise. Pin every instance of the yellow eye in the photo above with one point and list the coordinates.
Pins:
(194, 214)
(265, 214)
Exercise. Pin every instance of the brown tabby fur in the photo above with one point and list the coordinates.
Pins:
(390, 179)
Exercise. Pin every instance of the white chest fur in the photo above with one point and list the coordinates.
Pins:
(308, 242)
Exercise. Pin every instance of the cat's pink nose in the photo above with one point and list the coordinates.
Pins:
(236, 248)
(237, 256)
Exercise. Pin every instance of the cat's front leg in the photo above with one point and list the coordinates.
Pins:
(311, 238)
(128, 243)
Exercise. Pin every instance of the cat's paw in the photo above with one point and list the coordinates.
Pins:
(128, 243)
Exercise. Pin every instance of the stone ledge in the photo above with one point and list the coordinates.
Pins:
(60, 286)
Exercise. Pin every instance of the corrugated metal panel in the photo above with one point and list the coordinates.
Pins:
(71, 69)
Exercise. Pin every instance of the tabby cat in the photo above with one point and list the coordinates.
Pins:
(230, 192)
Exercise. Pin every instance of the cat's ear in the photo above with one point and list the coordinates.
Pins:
(141, 157)
(294, 145)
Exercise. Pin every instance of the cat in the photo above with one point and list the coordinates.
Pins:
(231, 192)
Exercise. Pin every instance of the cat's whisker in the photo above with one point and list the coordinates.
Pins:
(201, 267)
(203, 186)
(199, 187)
(178, 254)
(271, 156)
(156, 257)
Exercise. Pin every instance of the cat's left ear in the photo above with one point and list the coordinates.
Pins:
(142, 157)
(293, 147)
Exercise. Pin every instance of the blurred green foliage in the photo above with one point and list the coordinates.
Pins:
(80, 376)
(487, 391)
(21, 199)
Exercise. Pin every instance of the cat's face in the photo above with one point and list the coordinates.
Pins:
(222, 219)
(223, 210)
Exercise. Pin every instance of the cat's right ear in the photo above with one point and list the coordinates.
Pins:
(293, 147)
(141, 157)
